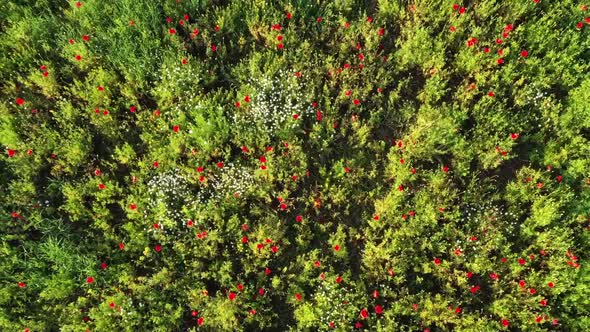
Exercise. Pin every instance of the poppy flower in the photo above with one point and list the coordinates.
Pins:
(247, 98)
(45, 74)
(133, 206)
(505, 323)
(274, 249)
(244, 239)
(190, 223)
(550, 284)
(101, 186)
(503, 259)
(539, 319)
(156, 164)
(338, 279)
(462, 10)
(280, 46)
(22, 284)
(298, 218)
(524, 53)
(103, 265)
(90, 280)
(437, 261)
(458, 310)
(543, 302)
(521, 261)
(288, 15)
(452, 29)
(261, 291)
(20, 101)
(78, 57)
(364, 313)
(172, 31)
(158, 248)
(521, 283)
(469, 274)
(455, 6)
(112, 304)
(491, 94)
(500, 61)
(231, 296)
(514, 136)
(445, 169)
(157, 112)
(336, 248)
(244, 227)
(121, 245)
(214, 48)
(378, 309)
(267, 271)
(176, 128)
(220, 164)
(559, 178)
(532, 291)
(298, 297)
(200, 321)
(11, 153)
(70, 41)
(184, 61)
(238, 104)
(85, 38)
(78, 4)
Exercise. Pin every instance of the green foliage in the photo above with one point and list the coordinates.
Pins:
(292, 165)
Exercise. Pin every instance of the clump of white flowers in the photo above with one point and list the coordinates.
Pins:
(278, 101)
(169, 193)
(232, 180)
(335, 303)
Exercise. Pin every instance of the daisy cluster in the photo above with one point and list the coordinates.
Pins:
(278, 101)
(170, 191)
(334, 302)
(231, 179)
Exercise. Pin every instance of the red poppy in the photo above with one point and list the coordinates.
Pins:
(491, 94)
(220, 164)
(550, 284)
(500, 61)
(184, 61)
(505, 322)
(378, 309)
(267, 271)
(336, 248)
(101, 186)
(364, 313)
(462, 10)
(559, 178)
(90, 280)
(103, 265)
(176, 128)
(157, 112)
(521, 283)
(121, 245)
(214, 48)
(539, 319)
(238, 104)
(458, 310)
(247, 99)
(244, 227)
(200, 321)
(112, 304)
(70, 41)
(78, 57)
(521, 261)
(133, 206)
(85, 38)
(22, 284)
(338, 279)
(298, 297)
(298, 218)
(261, 291)
(532, 291)
(132, 109)
(156, 164)
(190, 223)
(437, 261)
(244, 239)
(288, 15)
(469, 274)
(445, 169)
(544, 302)
(524, 53)
(231, 296)
(158, 248)
(11, 153)
(78, 4)
(514, 136)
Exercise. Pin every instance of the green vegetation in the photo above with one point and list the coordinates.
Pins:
(255, 165)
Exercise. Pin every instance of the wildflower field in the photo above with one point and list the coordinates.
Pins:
(258, 165)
